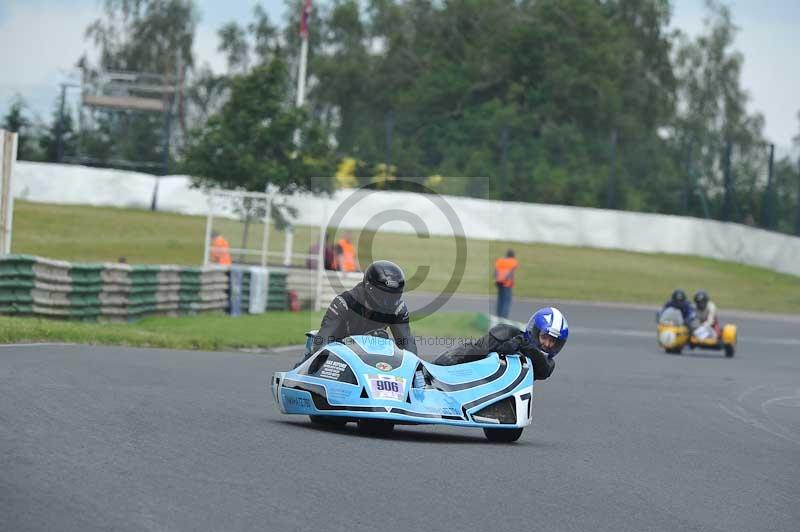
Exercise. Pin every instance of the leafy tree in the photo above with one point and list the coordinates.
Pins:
(265, 36)
(147, 36)
(16, 121)
(789, 188)
(205, 95)
(556, 101)
(253, 45)
(153, 36)
(345, 173)
(233, 42)
(515, 91)
(249, 142)
(786, 195)
(713, 115)
(344, 72)
(48, 141)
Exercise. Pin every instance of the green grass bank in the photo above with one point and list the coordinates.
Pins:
(81, 233)
(210, 332)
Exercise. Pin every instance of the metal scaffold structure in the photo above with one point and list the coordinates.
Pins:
(241, 216)
(122, 96)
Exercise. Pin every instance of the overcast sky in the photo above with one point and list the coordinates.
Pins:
(43, 38)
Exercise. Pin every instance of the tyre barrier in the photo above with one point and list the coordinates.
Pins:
(35, 286)
(260, 289)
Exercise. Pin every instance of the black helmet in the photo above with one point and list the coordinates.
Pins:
(701, 299)
(383, 284)
(678, 296)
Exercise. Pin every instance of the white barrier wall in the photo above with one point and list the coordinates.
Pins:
(474, 218)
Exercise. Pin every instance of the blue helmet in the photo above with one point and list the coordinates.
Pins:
(549, 321)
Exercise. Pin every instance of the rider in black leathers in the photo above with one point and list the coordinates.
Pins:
(503, 340)
(679, 301)
(373, 304)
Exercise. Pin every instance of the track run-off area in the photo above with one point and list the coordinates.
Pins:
(624, 438)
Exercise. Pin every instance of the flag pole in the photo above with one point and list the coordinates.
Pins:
(301, 74)
(301, 77)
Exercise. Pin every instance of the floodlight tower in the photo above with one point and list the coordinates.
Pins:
(134, 92)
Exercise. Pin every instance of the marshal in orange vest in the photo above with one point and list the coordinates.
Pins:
(347, 259)
(504, 268)
(219, 250)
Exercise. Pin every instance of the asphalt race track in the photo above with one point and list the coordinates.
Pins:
(624, 438)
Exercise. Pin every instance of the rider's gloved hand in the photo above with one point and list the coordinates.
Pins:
(511, 346)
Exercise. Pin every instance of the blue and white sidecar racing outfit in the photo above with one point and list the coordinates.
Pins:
(368, 380)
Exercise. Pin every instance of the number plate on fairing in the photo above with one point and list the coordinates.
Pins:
(386, 387)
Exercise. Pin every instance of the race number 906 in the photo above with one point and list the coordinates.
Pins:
(387, 386)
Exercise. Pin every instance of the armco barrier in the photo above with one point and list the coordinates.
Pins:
(35, 286)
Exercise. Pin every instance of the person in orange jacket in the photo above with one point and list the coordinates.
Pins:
(504, 269)
(346, 258)
(219, 250)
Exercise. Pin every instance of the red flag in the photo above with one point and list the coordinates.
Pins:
(304, 19)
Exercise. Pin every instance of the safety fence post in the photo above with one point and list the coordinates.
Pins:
(8, 156)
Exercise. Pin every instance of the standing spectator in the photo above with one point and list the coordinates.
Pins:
(504, 269)
(220, 250)
(330, 255)
(313, 253)
(327, 253)
(346, 254)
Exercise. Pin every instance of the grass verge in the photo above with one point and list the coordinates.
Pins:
(82, 233)
(211, 332)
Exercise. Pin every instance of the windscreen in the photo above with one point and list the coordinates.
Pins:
(671, 316)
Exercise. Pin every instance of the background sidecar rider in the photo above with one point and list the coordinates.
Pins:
(706, 312)
(374, 303)
(678, 301)
(542, 339)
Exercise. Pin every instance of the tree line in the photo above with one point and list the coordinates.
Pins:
(572, 102)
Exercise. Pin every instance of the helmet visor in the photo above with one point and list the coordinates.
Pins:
(382, 300)
(548, 344)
